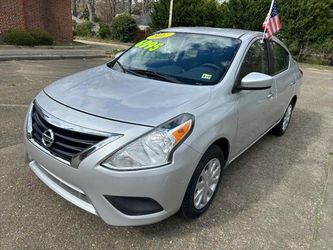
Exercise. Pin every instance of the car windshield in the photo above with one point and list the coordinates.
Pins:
(196, 59)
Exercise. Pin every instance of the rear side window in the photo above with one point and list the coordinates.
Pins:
(256, 60)
(280, 58)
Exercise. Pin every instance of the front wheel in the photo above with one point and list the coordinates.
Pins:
(282, 126)
(204, 183)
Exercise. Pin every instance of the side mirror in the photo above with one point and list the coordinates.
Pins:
(256, 81)
(118, 54)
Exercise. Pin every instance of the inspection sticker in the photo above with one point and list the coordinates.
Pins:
(160, 35)
(206, 76)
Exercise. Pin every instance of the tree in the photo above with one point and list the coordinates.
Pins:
(91, 9)
(244, 14)
(123, 28)
(106, 10)
(130, 7)
(306, 24)
(185, 13)
(74, 8)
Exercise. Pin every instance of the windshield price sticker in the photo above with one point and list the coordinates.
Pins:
(206, 76)
(149, 45)
(161, 35)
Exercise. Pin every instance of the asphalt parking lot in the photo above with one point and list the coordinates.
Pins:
(277, 195)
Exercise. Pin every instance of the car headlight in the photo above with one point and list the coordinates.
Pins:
(28, 121)
(154, 148)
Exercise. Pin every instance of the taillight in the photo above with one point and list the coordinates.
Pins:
(301, 71)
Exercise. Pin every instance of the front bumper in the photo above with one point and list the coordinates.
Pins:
(88, 185)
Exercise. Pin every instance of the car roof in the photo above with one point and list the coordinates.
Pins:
(234, 33)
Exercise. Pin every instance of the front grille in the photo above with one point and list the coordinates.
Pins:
(66, 143)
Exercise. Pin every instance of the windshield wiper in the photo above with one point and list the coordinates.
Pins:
(126, 70)
(142, 72)
(155, 75)
(120, 65)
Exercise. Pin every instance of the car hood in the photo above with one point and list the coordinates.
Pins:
(110, 94)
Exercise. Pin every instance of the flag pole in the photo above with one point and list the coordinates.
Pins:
(267, 20)
(170, 13)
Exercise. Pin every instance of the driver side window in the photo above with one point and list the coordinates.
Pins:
(256, 60)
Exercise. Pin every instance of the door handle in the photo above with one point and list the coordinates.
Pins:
(270, 95)
(292, 83)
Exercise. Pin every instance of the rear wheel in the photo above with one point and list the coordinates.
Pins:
(204, 183)
(282, 126)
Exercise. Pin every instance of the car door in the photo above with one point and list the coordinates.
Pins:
(254, 106)
(283, 76)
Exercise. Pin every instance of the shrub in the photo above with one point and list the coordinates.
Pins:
(42, 37)
(84, 29)
(28, 38)
(104, 30)
(123, 28)
(19, 37)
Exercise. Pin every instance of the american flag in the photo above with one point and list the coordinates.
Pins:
(272, 23)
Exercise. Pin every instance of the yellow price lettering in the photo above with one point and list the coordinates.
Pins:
(149, 45)
(161, 35)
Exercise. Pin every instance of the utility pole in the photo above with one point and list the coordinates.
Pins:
(170, 13)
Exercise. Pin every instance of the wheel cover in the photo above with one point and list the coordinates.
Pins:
(207, 183)
(286, 118)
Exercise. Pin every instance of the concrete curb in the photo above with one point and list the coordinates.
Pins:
(83, 46)
(110, 44)
(50, 57)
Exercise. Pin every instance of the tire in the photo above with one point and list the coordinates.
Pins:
(211, 159)
(283, 125)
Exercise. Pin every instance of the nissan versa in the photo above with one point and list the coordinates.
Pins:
(149, 133)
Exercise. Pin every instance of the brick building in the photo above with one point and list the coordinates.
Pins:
(53, 16)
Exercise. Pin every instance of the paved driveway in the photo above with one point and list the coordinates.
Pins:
(277, 195)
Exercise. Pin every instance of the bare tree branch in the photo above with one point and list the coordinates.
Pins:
(90, 7)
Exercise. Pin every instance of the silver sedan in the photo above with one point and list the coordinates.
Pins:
(149, 134)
